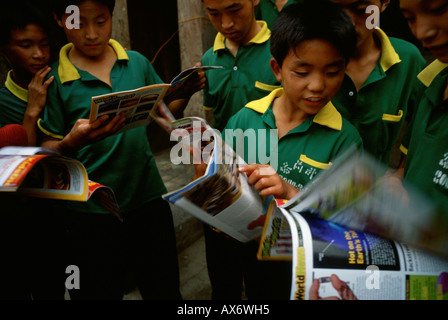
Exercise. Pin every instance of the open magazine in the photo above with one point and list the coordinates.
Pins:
(222, 197)
(138, 105)
(384, 243)
(42, 173)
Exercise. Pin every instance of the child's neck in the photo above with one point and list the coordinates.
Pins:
(287, 117)
(233, 46)
(280, 4)
(21, 79)
(364, 61)
(99, 66)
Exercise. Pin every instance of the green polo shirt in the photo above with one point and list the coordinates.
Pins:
(244, 78)
(267, 10)
(427, 155)
(379, 109)
(123, 162)
(304, 151)
(13, 102)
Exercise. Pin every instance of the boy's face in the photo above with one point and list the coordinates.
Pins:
(235, 19)
(28, 50)
(311, 75)
(92, 38)
(428, 21)
(356, 9)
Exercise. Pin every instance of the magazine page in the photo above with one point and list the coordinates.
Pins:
(139, 105)
(105, 196)
(356, 192)
(35, 173)
(182, 79)
(44, 176)
(331, 261)
(136, 105)
(222, 197)
(276, 239)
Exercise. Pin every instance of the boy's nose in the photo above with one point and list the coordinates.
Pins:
(38, 52)
(91, 33)
(317, 83)
(424, 30)
(226, 21)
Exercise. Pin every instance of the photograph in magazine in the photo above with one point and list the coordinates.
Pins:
(138, 105)
(344, 234)
(221, 197)
(43, 173)
(334, 262)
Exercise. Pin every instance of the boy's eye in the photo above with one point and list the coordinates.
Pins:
(333, 72)
(301, 73)
(24, 45)
(359, 10)
(439, 10)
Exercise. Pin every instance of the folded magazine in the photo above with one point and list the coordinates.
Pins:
(221, 197)
(42, 173)
(138, 105)
(383, 242)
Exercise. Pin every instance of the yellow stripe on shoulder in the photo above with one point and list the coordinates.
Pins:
(314, 163)
(266, 87)
(48, 133)
(430, 72)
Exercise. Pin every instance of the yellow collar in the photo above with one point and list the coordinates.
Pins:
(68, 72)
(328, 116)
(389, 56)
(16, 90)
(260, 37)
(430, 72)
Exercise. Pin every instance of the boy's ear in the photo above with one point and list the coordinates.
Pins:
(384, 5)
(58, 21)
(276, 69)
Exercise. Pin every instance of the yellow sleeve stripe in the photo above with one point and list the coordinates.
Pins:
(404, 150)
(48, 133)
(314, 163)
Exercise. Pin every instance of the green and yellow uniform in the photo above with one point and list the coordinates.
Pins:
(244, 78)
(305, 150)
(267, 10)
(13, 102)
(427, 151)
(380, 107)
(123, 162)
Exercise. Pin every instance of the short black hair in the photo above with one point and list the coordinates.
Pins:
(59, 6)
(17, 14)
(313, 19)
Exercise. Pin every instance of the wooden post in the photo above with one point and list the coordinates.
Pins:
(196, 35)
(120, 31)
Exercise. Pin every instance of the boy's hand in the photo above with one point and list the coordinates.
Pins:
(196, 82)
(37, 92)
(340, 286)
(268, 182)
(84, 133)
(37, 98)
